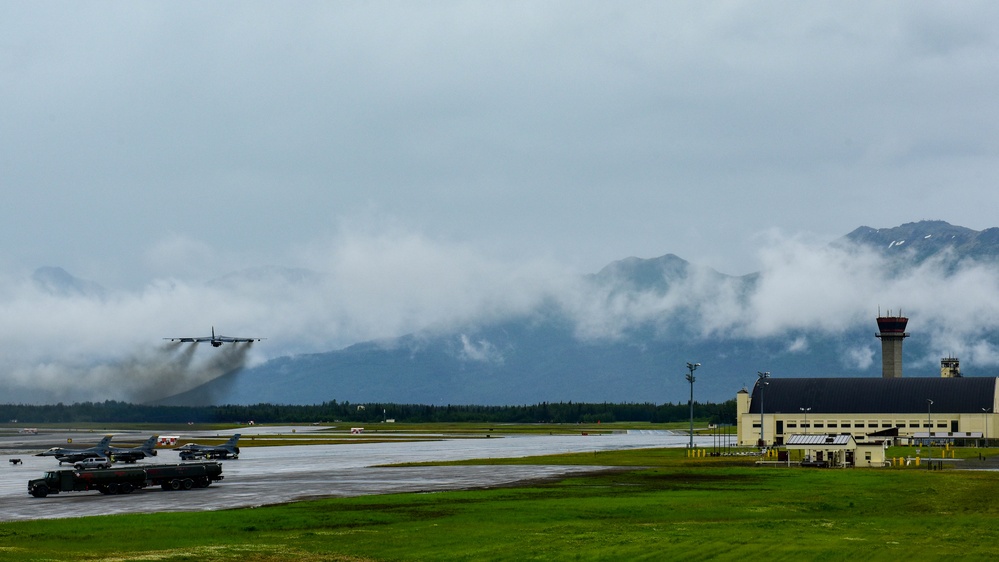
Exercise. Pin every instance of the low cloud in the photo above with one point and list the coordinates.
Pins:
(361, 285)
(861, 357)
(808, 286)
(479, 350)
(354, 287)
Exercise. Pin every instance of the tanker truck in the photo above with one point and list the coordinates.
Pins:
(182, 476)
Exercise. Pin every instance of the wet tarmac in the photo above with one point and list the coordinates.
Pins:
(270, 475)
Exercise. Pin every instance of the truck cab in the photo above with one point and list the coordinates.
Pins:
(53, 481)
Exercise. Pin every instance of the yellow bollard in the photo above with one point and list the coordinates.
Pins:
(917, 461)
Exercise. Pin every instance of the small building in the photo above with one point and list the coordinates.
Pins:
(836, 450)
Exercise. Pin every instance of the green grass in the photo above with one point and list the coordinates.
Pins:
(678, 509)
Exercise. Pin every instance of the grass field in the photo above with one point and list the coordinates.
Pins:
(675, 509)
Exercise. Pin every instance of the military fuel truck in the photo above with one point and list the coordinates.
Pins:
(182, 476)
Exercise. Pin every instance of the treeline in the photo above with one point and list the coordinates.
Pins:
(546, 412)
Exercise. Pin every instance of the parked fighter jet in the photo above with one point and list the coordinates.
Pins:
(132, 454)
(216, 341)
(62, 454)
(226, 450)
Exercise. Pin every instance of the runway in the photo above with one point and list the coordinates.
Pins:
(270, 475)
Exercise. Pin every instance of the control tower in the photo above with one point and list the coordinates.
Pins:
(950, 368)
(891, 334)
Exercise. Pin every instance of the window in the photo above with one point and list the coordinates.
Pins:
(819, 425)
(832, 424)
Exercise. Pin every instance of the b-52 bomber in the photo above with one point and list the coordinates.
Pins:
(216, 341)
(62, 454)
(193, 451)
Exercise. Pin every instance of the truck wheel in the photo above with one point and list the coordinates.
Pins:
(187, 483)
(112, 488)
(126, 488)
(175, 484)
(40, 491)
(202, 482)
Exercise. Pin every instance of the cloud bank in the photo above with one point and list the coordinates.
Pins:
(362, 286)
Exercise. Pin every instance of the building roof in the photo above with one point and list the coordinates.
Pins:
(820, 439)
(875, 395)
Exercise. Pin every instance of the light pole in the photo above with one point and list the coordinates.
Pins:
(804, 424)
(690, 378)
(985, 415)
(929, 424)
(763, 376)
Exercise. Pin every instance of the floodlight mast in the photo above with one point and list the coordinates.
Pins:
(985, 417)
(763, 376)
(690, 378)
(929, 423)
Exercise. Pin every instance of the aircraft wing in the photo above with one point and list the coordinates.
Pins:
(229, 339)
(191, 340)
(128, 455)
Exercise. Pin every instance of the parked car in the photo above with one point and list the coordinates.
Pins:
(94, 462)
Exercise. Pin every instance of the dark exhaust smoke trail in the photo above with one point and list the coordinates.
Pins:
(173, 369)
(229, 362)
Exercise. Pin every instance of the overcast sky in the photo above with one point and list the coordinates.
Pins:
(416, 148)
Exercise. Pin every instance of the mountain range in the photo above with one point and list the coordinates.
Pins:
(547, 354)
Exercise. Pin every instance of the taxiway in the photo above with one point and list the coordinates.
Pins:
(270, 475)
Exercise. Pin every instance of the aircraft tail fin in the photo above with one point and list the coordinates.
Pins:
(233, 440)
(150, 444)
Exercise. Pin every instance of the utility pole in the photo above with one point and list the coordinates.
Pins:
(929, 426)
(690, 378)
(985, 415)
